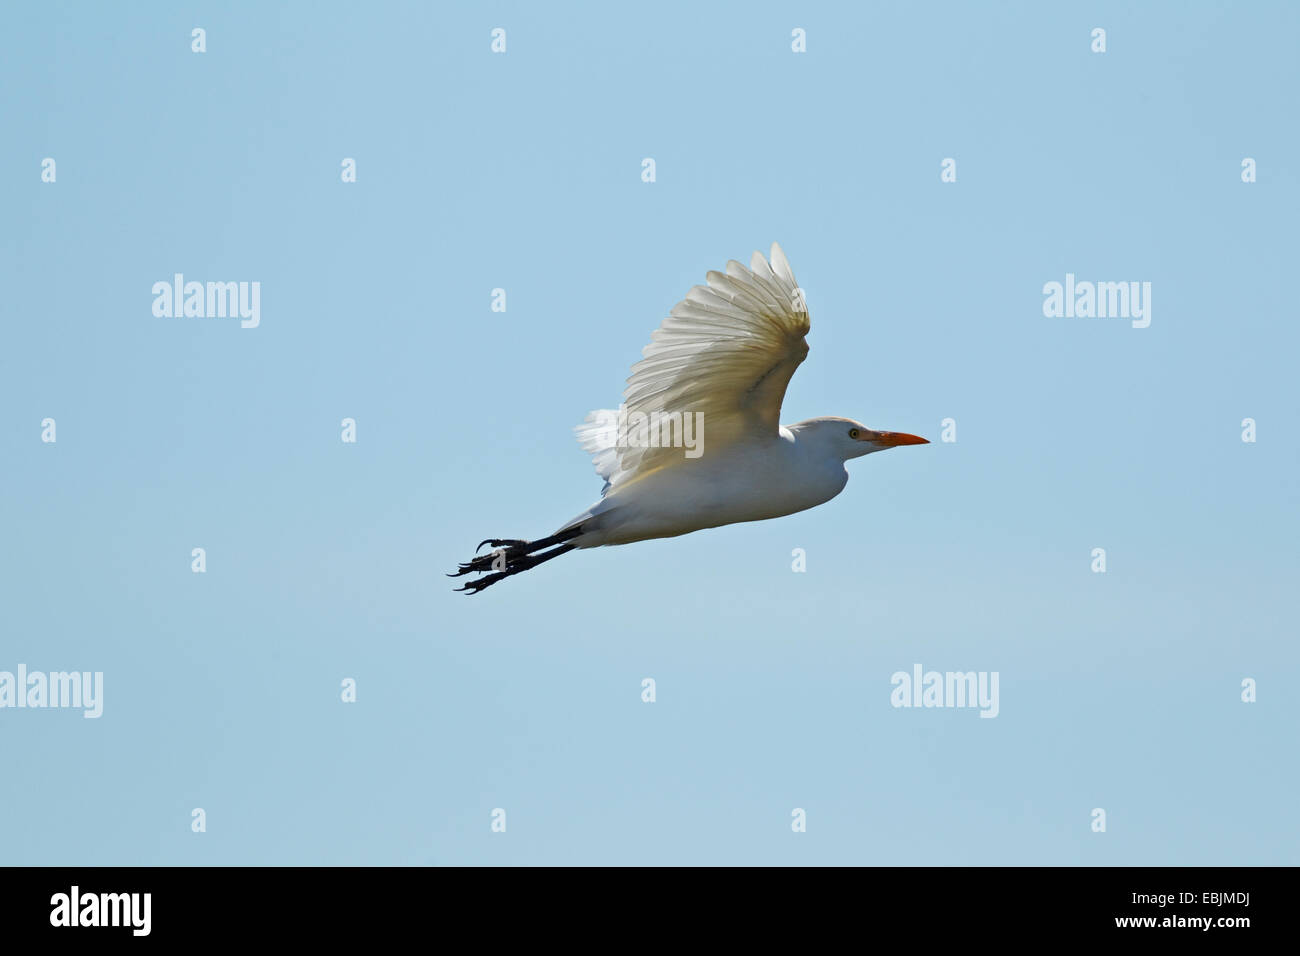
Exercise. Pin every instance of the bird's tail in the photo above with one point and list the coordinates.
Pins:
(511, 555)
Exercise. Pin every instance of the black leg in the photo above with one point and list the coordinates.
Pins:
(514, 548)
(522, 563)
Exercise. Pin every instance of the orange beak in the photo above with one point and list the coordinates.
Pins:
(892, 439)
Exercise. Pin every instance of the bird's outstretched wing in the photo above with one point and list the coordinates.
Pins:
(726, 352)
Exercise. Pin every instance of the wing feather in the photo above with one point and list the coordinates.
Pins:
(726, 352)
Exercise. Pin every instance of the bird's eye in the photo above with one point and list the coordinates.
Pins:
(853, 433)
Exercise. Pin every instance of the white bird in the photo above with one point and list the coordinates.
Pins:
(721, 362)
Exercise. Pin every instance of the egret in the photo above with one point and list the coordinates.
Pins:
(698, 442)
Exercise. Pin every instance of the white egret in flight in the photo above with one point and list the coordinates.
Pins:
(718, 366)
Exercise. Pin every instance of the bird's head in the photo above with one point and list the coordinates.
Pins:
(845, 438)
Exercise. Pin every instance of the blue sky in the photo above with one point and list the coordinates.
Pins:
(522, 171)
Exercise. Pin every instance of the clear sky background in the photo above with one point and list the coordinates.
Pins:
(522, 171)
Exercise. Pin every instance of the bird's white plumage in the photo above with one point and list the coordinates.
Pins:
(726, 352)
(721, 361)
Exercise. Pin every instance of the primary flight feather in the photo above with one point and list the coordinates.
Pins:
(698, 442)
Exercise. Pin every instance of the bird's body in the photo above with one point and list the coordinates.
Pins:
(697, 443)
(748, 481)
